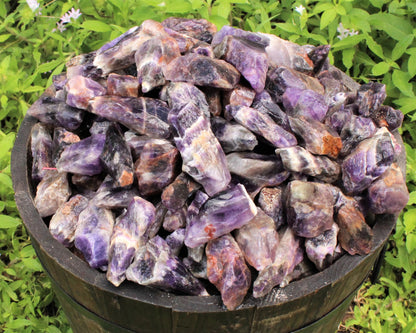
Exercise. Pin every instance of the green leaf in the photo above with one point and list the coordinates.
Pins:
(327, 17)
(411, 65)
(320, 7)
(401, 47)
(48, 66)
(4, 37)
(347, 57)
(411, 242)
(7, 222)
(380, 69)
(394, 26)
(412, 198)
(347, 42)
(18, 323)
(32, 264)
(95, 25)
(401, 81)
(409, 220)
(374, 46)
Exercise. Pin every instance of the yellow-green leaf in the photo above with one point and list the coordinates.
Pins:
(95, 25)
(380, 69)
(7, 222)
(327, 17)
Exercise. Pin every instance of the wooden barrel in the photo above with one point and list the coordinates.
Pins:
(92, 304)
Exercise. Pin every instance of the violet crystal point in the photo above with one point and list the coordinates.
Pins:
(196, 28)
(52, 192)
(80, 90)
(228, 210)
(368, 161)
(282, 52)
(227, 270)
(262, 124)
(316, 137)
(387, 116)
(321, 250)
(92, 237)
(202, 71)
(249, 58)
(270, 200)
(354, 236)
(175, 240)
(202, 156)
(152, 57)
(287, 256)
(83, 157)
(143, 115)
(233, 136)
(304, 102)
(52, 110)
(298, 159)
(119, 53)
(65, 221)
(41, 146)
(256, 171)
(129, 233)
(258, 240)
(309, 208)
(174, 219)
(110, 195)
(156, 266)
(157, 167)
(175, 195)
(240, 95)
(388, 194)
(116, 158)
(62, 139)
(122, 85)
(354, 131)
(370, 96)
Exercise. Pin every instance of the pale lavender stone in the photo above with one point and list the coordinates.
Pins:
(226, 30)
(299, 160)
(258, 240)
(309, 208)
(41, 146)
(221, 214)
(227, 270)
(202, 48)
(130, 232)
(366, 163)
(263, 125)
(83, 157)
(196, 28)
(185, 42)
(156, 266)
(256, 171)
(202, 155)
(370, 96)
(249, 58)
(175, 219)
(193, 68)
(337, 116)
(354, 131)
(270, 200)
(286, 257)
(92, 237)
(233, 136)
(316, 137)
(52, 192)
(151, 58)
(65, 220)
(175, 240)
(304, 102)
(388, 194)
(143, 115)
(80, 90)
(321, 250)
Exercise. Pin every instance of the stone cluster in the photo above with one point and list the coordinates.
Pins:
(182, 158)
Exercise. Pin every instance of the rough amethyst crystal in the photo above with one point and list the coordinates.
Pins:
(92, 237)
(221, 214)
(130, 232)
(354, 131)
(370, 96)
(61, 139)
(65, 220)
(41, 146)
(175, 241)
(227, 270)
(157, 166)
(388, 194)
(270, 200)
(175, 195)
(122, 85)
(309, 208)
(110, 195)
(155, 265)
(52, 192)
(202, 71)
(253, 37)
(262, 124)
(387, 116)
(197, 28)
(144, 115)
(80, 90)
(249, 58)
(213, 96)
(175, 220)
(240, 95)
(258, 240)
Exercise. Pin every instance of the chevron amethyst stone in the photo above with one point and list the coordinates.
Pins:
(196, 28)
(62, 139)
(41, 146)
(122, 85)
(175, 195)
(227, 270)
(354, 131)
(155, 265)
(80, 90)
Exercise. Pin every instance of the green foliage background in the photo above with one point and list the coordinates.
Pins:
(31, 52)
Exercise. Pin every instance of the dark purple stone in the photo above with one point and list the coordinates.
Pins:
(41, 146)
(175, 240)
(196, 28)
(370, 96)
(319, 57)
(226, 30)
(175, 195)
(110, 195)
(337, 116)
(354, 131)
(62, 139)
(387, 116)
(175, 219)
(202, 48)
